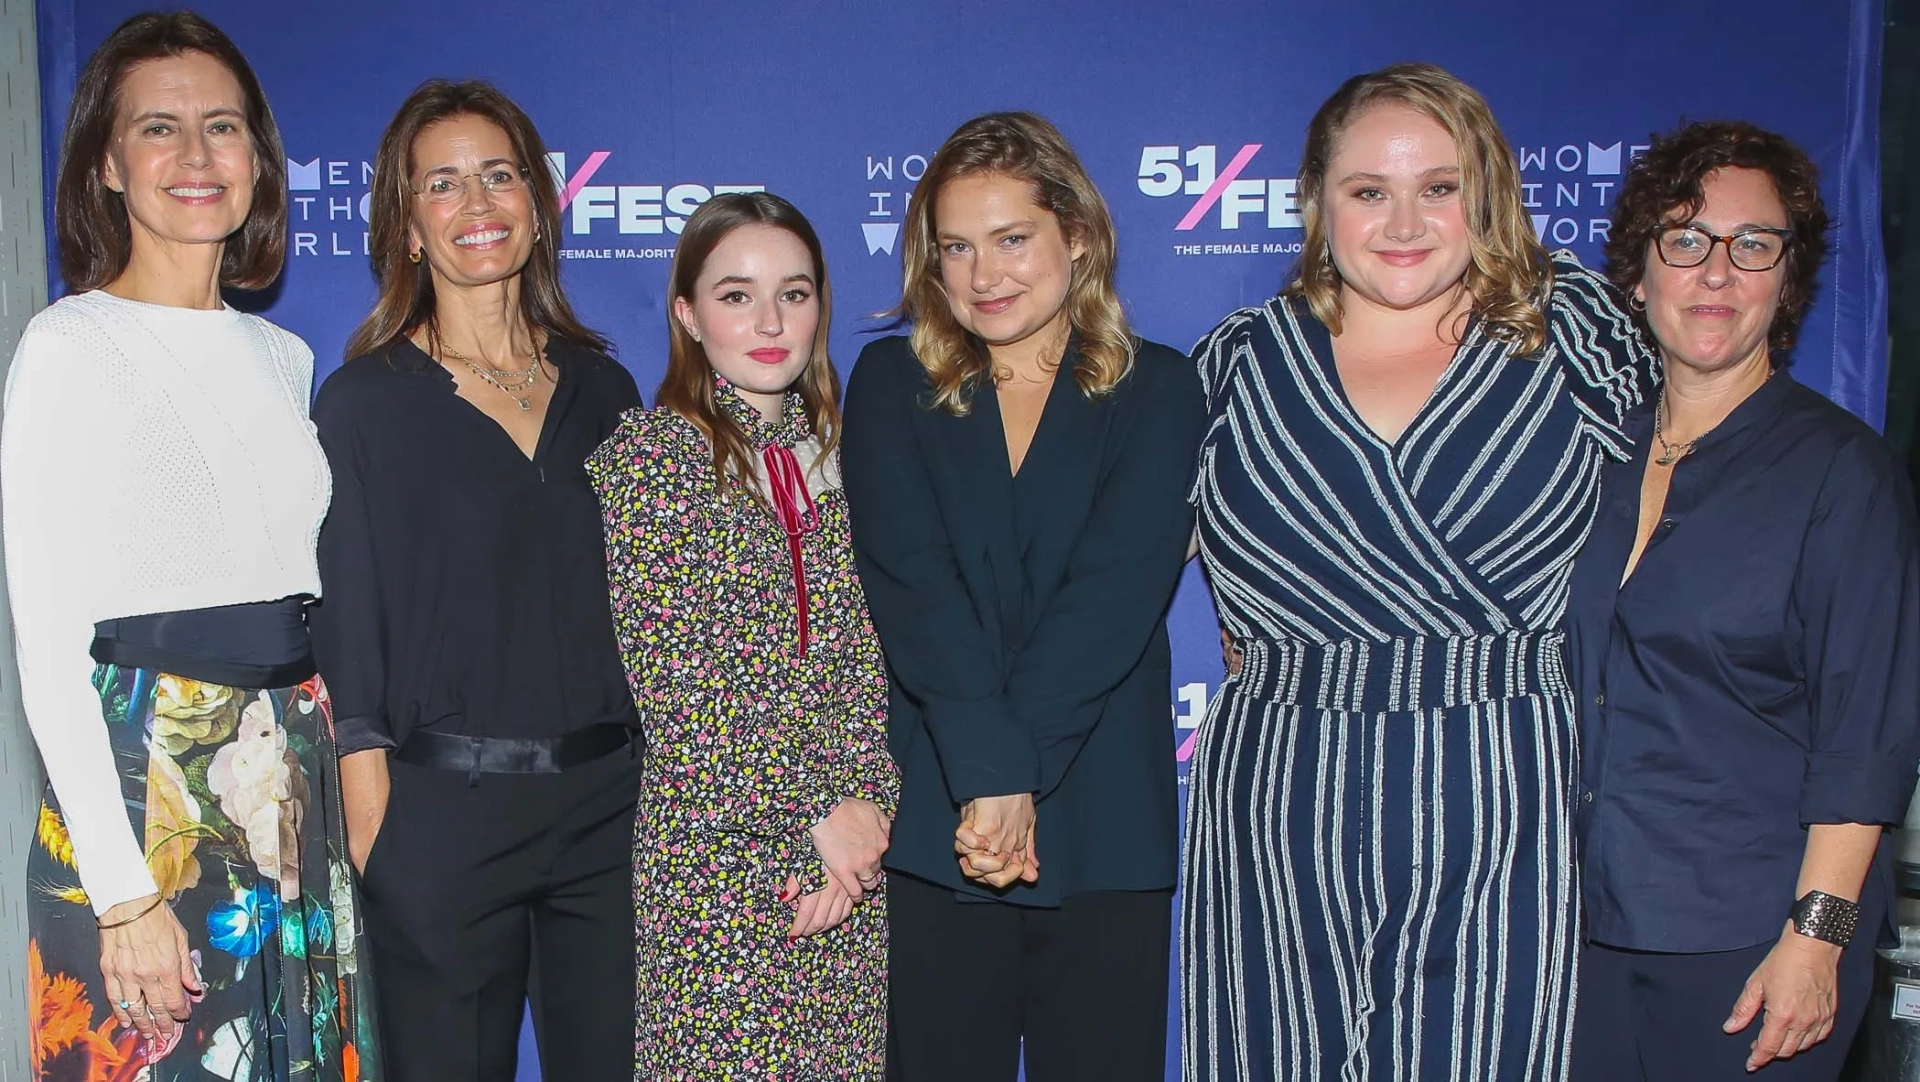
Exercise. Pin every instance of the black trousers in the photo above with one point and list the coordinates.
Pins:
(479, 896)
(1656, 1017)
(1084, 985)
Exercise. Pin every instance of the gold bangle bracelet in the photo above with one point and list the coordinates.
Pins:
(158, 899)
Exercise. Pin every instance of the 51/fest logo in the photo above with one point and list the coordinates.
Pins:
(1566, 190)
(1224, 197)
(1164, 171)
(331, 202)
(1172, 170)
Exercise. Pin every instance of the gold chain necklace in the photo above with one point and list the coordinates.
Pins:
(516, 384)
(1669, 454)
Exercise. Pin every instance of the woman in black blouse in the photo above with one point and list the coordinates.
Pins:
(1017, 472)
(486, 732)
(1745, 620)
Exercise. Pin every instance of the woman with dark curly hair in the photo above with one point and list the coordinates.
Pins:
(1743, 624)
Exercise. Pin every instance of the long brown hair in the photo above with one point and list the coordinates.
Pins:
(1027, 148)
(688, 387)
(1508, 276)
(406, 301)
(90, 219)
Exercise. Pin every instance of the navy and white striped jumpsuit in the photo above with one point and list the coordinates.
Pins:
(1379, 879)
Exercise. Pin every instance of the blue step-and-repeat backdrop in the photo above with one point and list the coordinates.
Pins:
(1189, 114)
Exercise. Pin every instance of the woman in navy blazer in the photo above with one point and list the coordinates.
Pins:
(1017, 472)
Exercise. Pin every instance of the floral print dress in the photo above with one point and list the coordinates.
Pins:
(760, 717)
(234, 792)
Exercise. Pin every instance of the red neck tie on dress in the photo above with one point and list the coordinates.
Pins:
(790, 496)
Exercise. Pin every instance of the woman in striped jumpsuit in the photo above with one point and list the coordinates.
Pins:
(1400, 465)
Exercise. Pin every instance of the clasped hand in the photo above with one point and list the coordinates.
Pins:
(994, 841)
(850, 841)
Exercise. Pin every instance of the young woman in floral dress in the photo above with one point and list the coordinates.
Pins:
(768, 791)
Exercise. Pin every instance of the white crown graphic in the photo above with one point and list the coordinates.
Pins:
(880, 236)
(303, 177)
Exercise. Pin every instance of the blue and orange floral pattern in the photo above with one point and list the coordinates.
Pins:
(750, 740)
(235, 791)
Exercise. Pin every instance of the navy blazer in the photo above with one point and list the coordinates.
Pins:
(1024, 617)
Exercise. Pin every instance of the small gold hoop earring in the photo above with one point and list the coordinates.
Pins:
(414, 257)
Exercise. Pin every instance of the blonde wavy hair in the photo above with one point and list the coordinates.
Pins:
(1509, 275)
(1027, 148)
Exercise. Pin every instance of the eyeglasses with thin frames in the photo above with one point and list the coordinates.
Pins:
(1759, 248)
(497, 180)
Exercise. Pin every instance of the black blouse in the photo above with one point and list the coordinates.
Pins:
(465, 585)
(1755, 675)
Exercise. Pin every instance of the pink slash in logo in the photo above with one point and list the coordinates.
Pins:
(1185, 751)
(585, 173)
(1227, 176)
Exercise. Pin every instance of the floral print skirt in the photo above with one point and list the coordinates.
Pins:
(236, 793)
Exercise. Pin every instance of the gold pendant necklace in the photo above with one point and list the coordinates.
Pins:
(517, 385)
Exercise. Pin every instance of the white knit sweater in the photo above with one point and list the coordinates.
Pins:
(152, 459)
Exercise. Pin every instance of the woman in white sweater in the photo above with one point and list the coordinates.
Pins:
(162, 491)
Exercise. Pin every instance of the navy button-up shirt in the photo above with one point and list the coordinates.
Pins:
(1758, 673)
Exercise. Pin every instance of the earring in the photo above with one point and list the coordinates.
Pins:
(414, 256)
(1636, 304)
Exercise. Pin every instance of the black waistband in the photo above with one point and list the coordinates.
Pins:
(257, 645)
(479, 755)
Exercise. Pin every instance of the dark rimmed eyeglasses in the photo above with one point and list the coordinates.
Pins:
(1759, 248)
(447, 187)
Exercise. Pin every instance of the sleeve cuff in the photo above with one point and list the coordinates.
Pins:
(983, 750)
(121, 877)
(883, 796)
(361, 732)
(812, 813)
(1856, 787)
